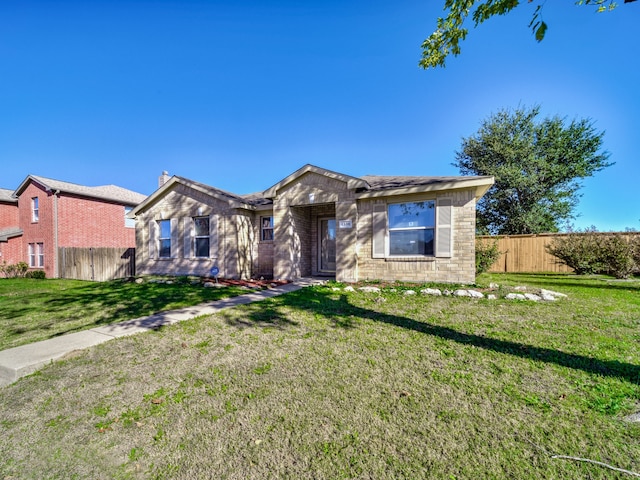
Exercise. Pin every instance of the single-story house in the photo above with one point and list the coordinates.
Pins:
(314, 222)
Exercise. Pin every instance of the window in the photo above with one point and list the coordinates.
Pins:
(165, 238)
(35, 210)
(266, 228)
(411, 228)
(201, 236)
(36, 255)
(129, 222)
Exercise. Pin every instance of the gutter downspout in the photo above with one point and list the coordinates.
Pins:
(55, 233)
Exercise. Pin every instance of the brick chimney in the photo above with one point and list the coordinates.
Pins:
(162, 179)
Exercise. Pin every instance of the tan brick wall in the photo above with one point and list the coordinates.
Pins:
(460, 268)
(294, 251)
(237, 249)
(296, 212)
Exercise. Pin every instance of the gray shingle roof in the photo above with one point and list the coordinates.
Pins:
(380, 182)
(104, 192)
(9, 232)
(6, 196)
(213, 190)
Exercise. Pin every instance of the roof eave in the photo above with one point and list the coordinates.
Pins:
(481, 186)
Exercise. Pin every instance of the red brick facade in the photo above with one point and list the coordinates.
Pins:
(64, 220)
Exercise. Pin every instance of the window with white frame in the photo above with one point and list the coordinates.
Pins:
(35, 210)
(164, 240)
(129, 222)
(36, 255)
(411, 228)
(266, 228)
(201, 231)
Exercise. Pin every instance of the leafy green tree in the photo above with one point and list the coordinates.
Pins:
(537, 167)
(450, 30)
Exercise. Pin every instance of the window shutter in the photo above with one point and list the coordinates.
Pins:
(444, 227)
(174, 237)
(213, 236)
(379, 224)
(153, 239)
(187, 226)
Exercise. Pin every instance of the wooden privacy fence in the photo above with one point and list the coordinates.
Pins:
(98, 264)
(527, 253)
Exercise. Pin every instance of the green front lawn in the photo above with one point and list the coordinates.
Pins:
(325, 384)
(33, 310)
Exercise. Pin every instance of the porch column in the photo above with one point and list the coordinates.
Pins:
(346, 239)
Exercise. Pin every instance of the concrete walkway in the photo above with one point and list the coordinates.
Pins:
(20, 361)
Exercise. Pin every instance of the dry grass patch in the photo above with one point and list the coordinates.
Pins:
(324, 384)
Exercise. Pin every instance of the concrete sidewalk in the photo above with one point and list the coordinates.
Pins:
(20, 361)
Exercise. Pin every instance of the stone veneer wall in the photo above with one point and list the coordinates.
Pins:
(460, 268)
(236, 251)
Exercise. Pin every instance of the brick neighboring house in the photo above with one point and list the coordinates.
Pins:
(314, 222)
(43, 215)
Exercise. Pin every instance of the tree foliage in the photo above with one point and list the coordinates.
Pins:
(537, 167)
(450, 30)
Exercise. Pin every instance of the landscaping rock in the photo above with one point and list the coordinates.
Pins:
(633, 418)
(349, 288)
(532, 296)
(461, 293)
(468, 293)
(515, 296)
(552, 293)
(494, 286)
(548, 298)
(491, 296)
(520, 288)
(369, 289)
(208, 284)
(409, 292)
(139, 280)
(431, 291)
(336, 289)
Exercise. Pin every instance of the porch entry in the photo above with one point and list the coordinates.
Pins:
(327, 245)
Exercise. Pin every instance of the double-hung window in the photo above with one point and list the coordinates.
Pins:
(36, 255)
(411, 228)
(266, 228)
(164, 241)
(35, 210)
(201, 236)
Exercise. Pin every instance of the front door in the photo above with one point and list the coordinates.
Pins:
(327, 245)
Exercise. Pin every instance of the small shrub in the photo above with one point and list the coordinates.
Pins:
(38, 274)
(14, 271)
(581, 251)
(618, 256)
(590, 252)
(487, 254)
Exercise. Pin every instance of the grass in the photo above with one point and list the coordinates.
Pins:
(330, 384)
(33, 310)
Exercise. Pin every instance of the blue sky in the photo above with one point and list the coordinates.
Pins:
(239, 94)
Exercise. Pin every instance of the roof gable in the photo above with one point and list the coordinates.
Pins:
(233, 200)
(352, 182)
(112, 193)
